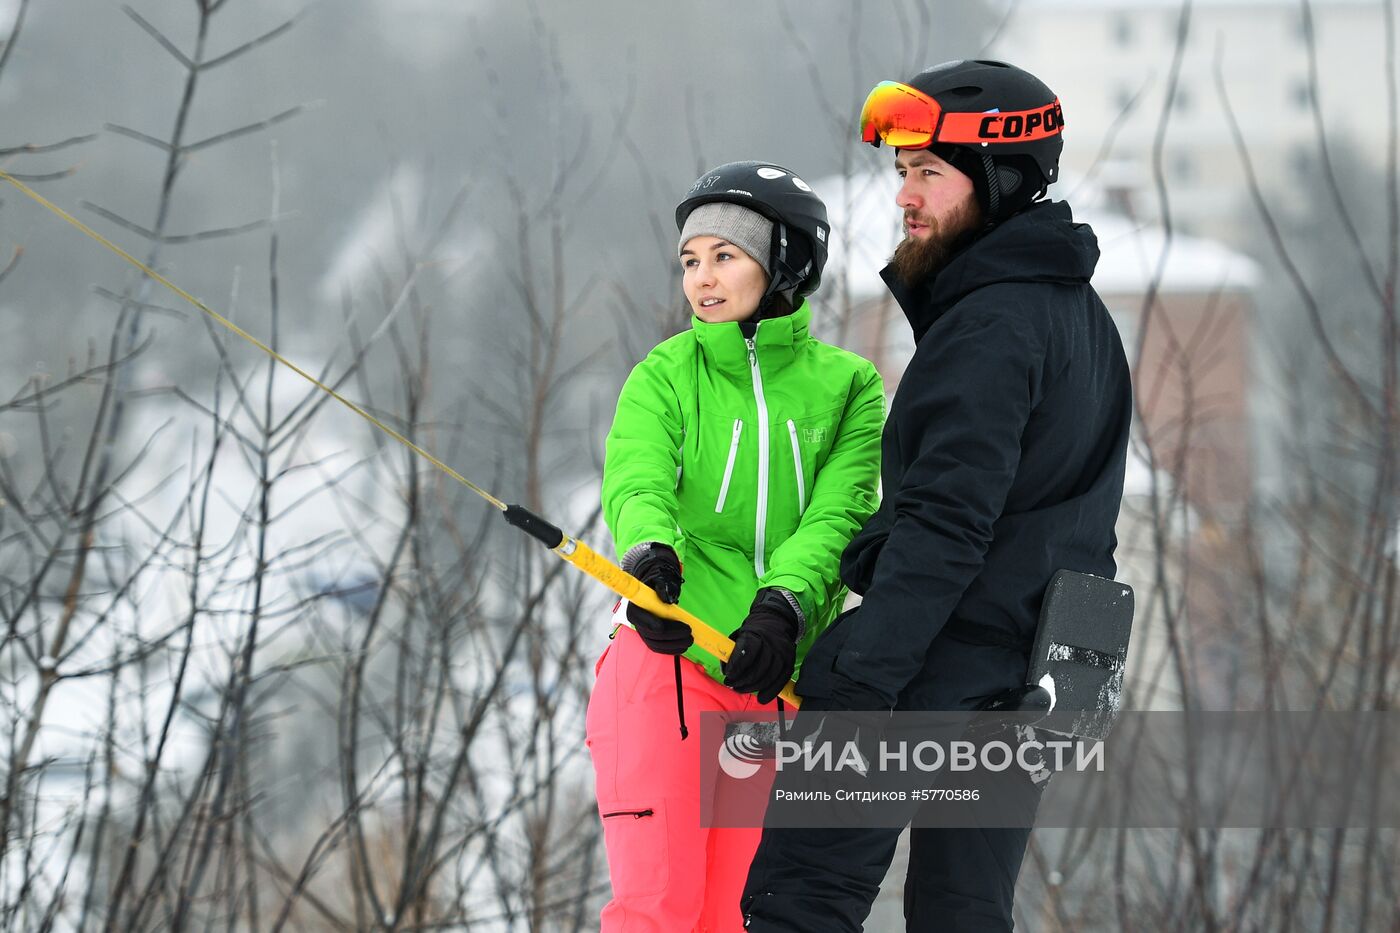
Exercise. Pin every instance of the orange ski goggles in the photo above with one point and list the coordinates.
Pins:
(906, 118)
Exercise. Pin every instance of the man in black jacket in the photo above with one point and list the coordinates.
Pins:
(1003, 461)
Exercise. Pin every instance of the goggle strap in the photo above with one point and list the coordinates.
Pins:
(1004, 127)
(938, 127)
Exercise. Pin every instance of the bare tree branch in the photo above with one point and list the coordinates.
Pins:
(156, 34)
(247, 47)
(246, 130)
(175, 238)
(7, 47)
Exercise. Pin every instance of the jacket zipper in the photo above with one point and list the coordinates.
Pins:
(729, 467)
(761, 519)
(635, 814)
(797, 465)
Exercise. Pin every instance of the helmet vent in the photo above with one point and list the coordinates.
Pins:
(967, 90)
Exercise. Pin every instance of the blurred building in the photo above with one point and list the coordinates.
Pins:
(1110, 62)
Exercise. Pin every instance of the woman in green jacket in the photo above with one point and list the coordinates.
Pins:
(743, 456)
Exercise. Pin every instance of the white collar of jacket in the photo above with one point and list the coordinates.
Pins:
(777, 340)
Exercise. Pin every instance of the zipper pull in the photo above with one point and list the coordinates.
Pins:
(753, 355)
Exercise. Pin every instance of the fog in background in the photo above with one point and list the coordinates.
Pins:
(264, 668)
(581, 123)
(259, 669)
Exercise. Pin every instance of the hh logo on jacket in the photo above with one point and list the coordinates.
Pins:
(814, 435)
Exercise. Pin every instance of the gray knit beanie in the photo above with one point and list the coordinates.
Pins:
(746, 229)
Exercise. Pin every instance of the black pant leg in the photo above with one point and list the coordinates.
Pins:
(962, 879)
(816, 880)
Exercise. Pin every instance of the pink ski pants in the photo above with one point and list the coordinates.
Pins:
(669, 874)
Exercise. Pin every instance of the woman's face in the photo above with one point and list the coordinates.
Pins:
(721, 281)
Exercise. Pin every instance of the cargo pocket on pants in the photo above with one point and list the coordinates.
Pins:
(638, 854)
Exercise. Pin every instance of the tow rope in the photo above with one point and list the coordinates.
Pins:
(569, 549)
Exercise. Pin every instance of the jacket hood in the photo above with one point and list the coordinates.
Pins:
(1040, 244)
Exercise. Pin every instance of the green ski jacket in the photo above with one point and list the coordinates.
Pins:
(757, 460)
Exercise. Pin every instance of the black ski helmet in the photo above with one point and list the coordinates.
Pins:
(800, 228)
(1000, 125)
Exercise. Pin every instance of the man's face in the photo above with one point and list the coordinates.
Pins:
(940, 210)
(934, 195)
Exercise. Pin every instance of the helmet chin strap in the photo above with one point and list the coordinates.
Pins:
(784, 280)
(777, 282)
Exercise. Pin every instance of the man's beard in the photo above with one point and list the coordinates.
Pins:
(917, 260)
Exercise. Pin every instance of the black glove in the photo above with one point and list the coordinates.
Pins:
(765, 647)
(659, 568)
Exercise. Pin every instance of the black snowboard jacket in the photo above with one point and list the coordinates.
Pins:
(1002, 458)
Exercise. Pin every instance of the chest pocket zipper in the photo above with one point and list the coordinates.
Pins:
(729, 467)
(797, 465)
